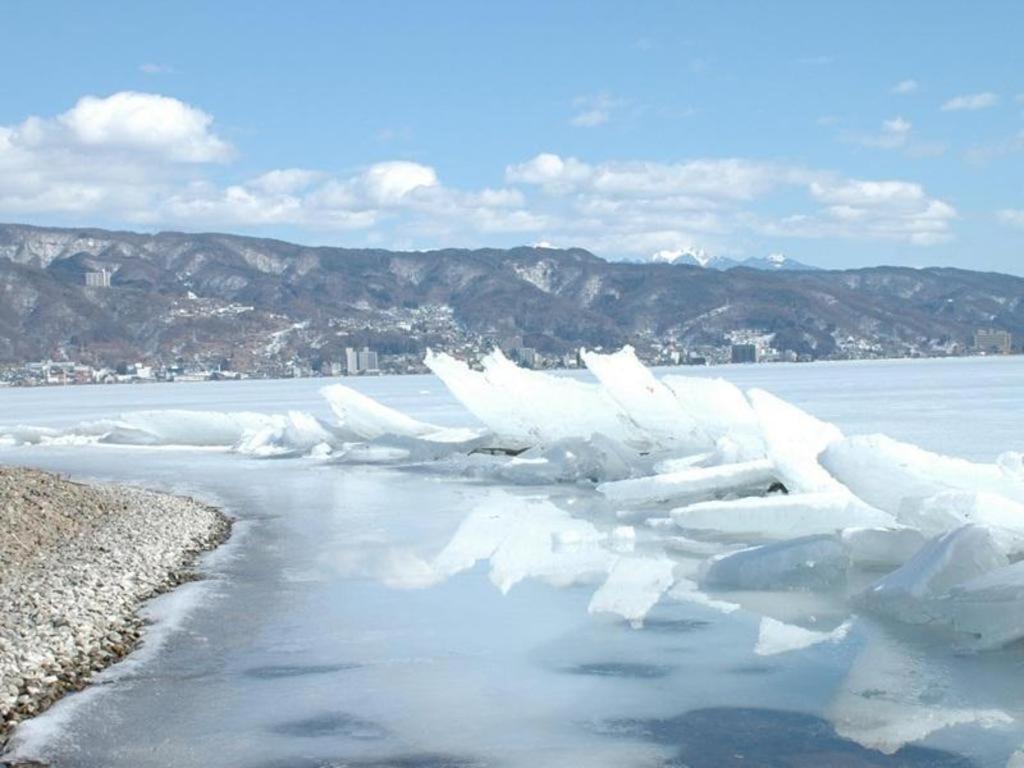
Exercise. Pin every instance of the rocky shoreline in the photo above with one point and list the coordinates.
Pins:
(76, 561)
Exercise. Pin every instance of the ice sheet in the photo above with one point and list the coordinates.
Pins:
(887, 473)
(808, 562)
(750, 476)
(794, 439)
(780, 516)
(908, 593)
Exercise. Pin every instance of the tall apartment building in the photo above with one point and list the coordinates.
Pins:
(360, 361)
(993, 341)
(744, 353)
(368, 360)
(351, 361)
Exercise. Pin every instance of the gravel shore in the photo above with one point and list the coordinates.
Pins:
(75, 563)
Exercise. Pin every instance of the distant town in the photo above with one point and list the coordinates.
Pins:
(746, 346)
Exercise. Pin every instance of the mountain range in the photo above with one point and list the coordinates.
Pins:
(255, 302)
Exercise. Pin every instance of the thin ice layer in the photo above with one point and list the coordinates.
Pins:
(780, 516)
(752, 476)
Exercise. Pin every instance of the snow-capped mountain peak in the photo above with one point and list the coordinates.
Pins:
(698, 257)
(694, 256)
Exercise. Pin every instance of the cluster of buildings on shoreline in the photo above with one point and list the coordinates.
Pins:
(745, 347)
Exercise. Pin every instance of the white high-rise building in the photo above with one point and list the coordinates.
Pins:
(351, 361)
(368, 361)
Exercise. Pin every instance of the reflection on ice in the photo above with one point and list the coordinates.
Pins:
(775, 637)
(891, 698)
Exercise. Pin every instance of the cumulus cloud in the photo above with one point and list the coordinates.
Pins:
(903, 87)
(113, 153)
(387, 183)
(140, 121)
(883, 210)
(134, 158)
(971, 102)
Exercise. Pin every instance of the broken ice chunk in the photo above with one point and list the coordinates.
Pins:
(554, 408)
(908, 593)
(364, 418)
(808, 562)
(793, 440)
(886, 473)
(683, 462)
(572, 460)
(989, 607)
(886, 547)
(720, 410)
(692, 482)
(951, 509)
(646, 401)
(774, 637)
(780, 517)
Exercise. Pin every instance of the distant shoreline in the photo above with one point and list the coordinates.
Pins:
(76, 562)
(554, 369)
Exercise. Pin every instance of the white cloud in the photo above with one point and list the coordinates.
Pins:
(1012, 216)
(592, 111)
(903, 87)
(550, 171)
(387, 183)
(729, 178)
(971, 102)
(141, 121)
(146, 159)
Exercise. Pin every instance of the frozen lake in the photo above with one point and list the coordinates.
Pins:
(352, 620)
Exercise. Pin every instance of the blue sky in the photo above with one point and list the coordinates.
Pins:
(843, 135)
